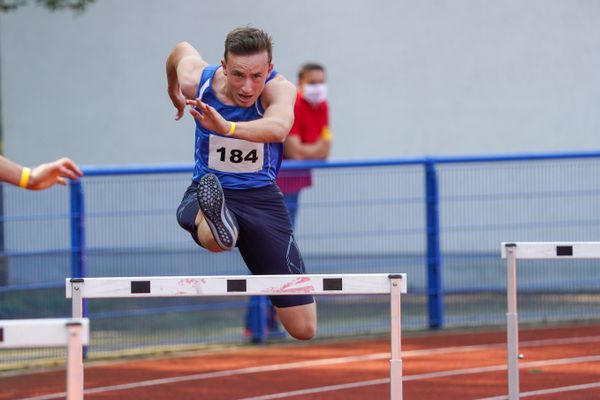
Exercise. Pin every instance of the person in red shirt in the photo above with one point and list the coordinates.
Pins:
(310, 137)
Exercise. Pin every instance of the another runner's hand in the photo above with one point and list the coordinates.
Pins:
(45, 175)
(208, 117)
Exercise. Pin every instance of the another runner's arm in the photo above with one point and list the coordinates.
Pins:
(184, 66)
(41, 177)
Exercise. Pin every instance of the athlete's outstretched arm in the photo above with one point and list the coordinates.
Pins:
(278, 97)
(184, 66)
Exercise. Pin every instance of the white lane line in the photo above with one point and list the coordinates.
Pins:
(406, 378)
(322, 389)
(314, 363)
(560, 389)
(220, 374)
(528, 343)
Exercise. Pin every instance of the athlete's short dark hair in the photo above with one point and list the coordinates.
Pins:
(246, 40)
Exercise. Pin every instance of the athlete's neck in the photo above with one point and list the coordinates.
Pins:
(220, 88)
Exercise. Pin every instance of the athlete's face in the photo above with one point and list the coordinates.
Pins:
(246, 76)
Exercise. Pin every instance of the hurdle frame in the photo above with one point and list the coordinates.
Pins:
(511, 251)
(393, 284)
(58, 332)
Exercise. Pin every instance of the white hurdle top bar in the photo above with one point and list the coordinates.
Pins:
(232, 285)
(558, 250)
(42, 332)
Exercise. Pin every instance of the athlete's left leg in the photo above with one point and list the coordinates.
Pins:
(298, 313)
(291, 202)
(267, 244)
(300, 321)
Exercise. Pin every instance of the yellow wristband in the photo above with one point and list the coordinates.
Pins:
(231, 128)
(25, 173)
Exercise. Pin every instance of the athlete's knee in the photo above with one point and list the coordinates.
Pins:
(299, 321)
(304, 331)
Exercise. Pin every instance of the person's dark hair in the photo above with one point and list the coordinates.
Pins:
(310, 66)
(245, 41)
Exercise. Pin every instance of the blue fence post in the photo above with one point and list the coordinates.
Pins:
(435, 305)
(78, 248)
(256, 319)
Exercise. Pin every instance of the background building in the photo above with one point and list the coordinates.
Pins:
(407, 78)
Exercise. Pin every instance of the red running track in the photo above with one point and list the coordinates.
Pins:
(560, 363)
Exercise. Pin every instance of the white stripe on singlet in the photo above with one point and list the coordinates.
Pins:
(203, 88)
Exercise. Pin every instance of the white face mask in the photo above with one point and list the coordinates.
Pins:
(314, 93)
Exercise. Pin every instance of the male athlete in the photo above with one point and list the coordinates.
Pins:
(243, 111)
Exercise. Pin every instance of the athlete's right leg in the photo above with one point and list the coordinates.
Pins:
(191, 218)
(214, 220)
(204, 234)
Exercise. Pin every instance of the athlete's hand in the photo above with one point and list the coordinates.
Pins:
(208, 117)
(178, 101)
(46, 175)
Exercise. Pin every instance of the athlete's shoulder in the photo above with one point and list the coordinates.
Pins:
(277, 78)
(279, 88)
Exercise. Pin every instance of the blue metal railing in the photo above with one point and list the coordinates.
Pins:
(432, 207)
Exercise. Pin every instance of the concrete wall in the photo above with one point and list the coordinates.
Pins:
(407, 78)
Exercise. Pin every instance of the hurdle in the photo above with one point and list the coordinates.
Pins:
(532, 251)
(254, 285)
(51, 332)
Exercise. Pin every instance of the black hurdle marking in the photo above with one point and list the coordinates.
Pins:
(564, 250)
(140, 287)
(332, 283)
(236, 285)
(1, 335)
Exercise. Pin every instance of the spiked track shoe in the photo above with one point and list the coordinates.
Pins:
(212, 204)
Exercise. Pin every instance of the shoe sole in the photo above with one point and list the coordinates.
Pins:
(212, 204)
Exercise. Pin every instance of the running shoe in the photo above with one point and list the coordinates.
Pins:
(212, 204)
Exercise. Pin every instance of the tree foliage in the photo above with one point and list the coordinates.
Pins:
(52, 5)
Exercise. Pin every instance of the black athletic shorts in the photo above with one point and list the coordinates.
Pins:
(266, 240)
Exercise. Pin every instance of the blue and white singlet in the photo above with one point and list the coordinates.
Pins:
(239, 164)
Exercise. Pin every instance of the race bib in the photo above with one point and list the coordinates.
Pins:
(234, 155)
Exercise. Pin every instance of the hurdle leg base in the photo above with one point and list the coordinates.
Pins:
(396, 379)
